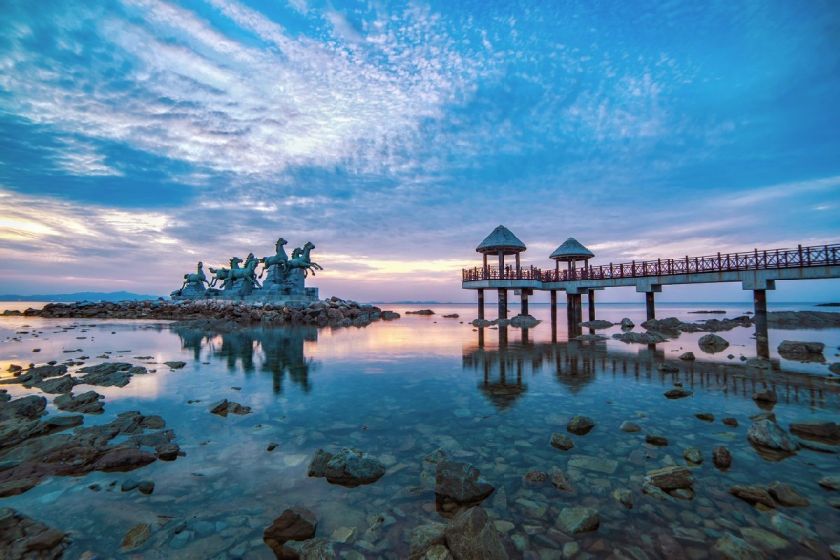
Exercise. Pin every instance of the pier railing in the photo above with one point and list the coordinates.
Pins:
(800, 257)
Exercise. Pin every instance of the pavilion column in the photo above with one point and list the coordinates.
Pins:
(524, 306)
(501, 264)
(591, 300)
(517, 265)
(480, 304)
(485, 264)
(502, 303)
(762, 340)
(649, 306)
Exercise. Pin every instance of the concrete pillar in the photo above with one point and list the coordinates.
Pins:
(591, 300)
(502, 303)
(484, 255)
(649, 307)
(573, 314)
(481, 303)
(762, 341)
(524, 306)
(517, 265)
(553, 315)
(501, 264)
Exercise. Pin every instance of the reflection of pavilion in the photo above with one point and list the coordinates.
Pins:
(282, 349)
(576, 364)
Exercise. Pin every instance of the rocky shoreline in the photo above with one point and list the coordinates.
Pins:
(329, 312)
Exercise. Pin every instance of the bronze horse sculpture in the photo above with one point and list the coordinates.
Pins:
(278, 258)
(300, 259)
(229, 275)
(198, 277)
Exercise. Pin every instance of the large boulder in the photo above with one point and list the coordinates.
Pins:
(712, 343)
(471, 535)
(573, 520)
(460, 483)
(802, 351)
(524, 322)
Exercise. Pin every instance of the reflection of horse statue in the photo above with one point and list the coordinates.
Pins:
(300, 259)
(197, 278)
(279, 258)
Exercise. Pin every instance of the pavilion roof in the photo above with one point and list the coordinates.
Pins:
(571, 249)
(501, 239)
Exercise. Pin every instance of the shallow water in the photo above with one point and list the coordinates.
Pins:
(400, 390)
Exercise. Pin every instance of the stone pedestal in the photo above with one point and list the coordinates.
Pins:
(284, 283)
(193, 290)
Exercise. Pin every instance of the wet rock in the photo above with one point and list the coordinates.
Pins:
(122, 458)
(63, 384)
(753, 495)
(318, 465)
(389, 315)
(175, 365)
(29, 407)
(770, 440)
(786, 495)
(420, 312)
(627, 323)
(639, 338)
(629, 427)
(824, 432)
(670, 478)
(136, 536)
(624, 497)
(590, 338)
(705, 416)
(767, 396)
(471, 535)
(574, 520)
(524, 322)
(108, 374)
(451, 316)
(535, 477)
(764, 539)
(687, 356)
(795, 529)
(597, 324)
(678, 393)
(656, 439)
(693, 455)
(730, 422)
(23, 537)
(295, 524)
(580, 425)
(88, 402)
(561, 441)
(802, 351)
(460, 483)
(712, 343)
(351, 467)
(424, 537)
(167, 451)
(225, 407)
(731, 547)
(721, 457)
(830, 482)
(592, 463)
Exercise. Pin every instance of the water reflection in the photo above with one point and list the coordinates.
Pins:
(279, 351)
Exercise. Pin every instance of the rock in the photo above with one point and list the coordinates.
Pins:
(753, 495)
(389, 315)
(624, 497)
(23, 537)
(656, 439)
(318, 465)
(668, 368)
(225, 407)
(535, 477)
(559, 480)
(351, 467)
(824, 432)
(627, 323)
(295, 524)
(592, 463)
(561, 441)
(437, 552)
(793, 528)
(693, 455)
(471, 535)
(108, 374)
(136, 536)
(834, 368)
(733, 548)
(175, 365)
(590, 338)
(687, 356)
(764, 539)
(770, 440)
(122, 458)
(88, 402)
(712, 343)
(574, 520)
(786, 495)
(767, 396)
(167, 451)
(420, 312)
(451, 316)
(597, 324)
(424, 537)
(802, 351)
(629, 427)
(63, 384)
(730, 422)
(146, 487)
(580, 425)
(524, 322)
(705, 416)
(639, 338)
(830, 482)
(721, 457)
(677, 393)
(670, 478)
(460, 483)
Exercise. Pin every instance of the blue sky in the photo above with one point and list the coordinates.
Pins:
(139, 136)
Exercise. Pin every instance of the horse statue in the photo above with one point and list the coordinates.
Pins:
(247, 272)
(300, 259)
(197, 278)
(223, 274)
(278, 258)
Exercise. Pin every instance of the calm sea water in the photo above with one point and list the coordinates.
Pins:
(401, 390)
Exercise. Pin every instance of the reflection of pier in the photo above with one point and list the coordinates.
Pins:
(756, 270)
(506, 368)
(282, 350)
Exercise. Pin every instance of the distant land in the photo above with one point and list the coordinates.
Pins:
(78, 296)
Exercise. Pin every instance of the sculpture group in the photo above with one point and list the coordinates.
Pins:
(284, 277)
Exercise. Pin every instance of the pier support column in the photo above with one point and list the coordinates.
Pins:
(553, 315)
(524, 305)
(480, 303)
(762, 341)
(591, 300)
(502, 303)
(649, 306)
(573, 313)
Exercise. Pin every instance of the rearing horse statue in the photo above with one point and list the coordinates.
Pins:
(278, 258)
(300, 259)
(198, 277)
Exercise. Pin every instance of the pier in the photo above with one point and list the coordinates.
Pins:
(757, 270)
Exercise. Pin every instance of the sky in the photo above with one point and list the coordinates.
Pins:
(140, 136)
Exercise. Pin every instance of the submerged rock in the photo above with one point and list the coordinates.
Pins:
(677, 393)
(351, 467)
(786, 495)
(670, 478)
(580, 425)
(770, 440)
(471, 534)
(225, 407)
(825, 432)
(627, 426)
(712, 343)
(721, 457)
(753, 495)
(597, 324)
(136, 536)
(693, 455)
(295, 524)
(23, 537)
(460, 483)
(574, 520)
(561, 441)
(731, 547)
(88, 402)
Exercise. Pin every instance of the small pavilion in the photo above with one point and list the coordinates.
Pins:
(501, 242)
(571, 251)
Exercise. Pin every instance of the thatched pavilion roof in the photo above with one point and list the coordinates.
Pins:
(501, 239)
(571, 250)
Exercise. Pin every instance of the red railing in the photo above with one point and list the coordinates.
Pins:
(801, 257)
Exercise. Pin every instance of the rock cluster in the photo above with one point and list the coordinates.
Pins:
(23, 537)
(348, 467)
(332, 311)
